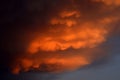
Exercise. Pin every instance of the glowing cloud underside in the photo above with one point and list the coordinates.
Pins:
(67, 30)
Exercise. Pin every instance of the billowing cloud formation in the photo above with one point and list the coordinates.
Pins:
(82, 38)
(67, 25)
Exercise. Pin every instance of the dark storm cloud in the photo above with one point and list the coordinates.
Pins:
(21, 20)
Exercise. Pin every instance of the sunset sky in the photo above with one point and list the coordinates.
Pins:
(60, 40)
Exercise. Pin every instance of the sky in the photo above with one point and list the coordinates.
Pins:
(60, 40)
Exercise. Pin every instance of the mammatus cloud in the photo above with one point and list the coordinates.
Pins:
(69, 27)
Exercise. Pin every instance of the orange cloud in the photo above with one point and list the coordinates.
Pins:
(85, 36)
(67, 30)
(66, 14)
(110, 2)
(55, 64)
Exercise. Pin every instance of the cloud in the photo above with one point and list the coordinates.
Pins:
(55, 28)
(109, 2)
